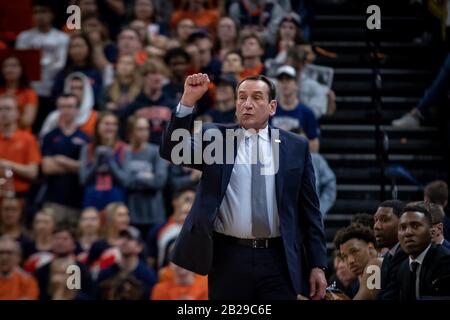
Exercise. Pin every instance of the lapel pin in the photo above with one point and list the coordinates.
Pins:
(277, 140)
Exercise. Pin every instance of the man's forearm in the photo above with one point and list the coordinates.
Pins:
(27, 171)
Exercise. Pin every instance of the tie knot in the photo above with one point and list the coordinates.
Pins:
(414, 266)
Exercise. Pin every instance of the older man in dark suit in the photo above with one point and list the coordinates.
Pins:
(258, 234)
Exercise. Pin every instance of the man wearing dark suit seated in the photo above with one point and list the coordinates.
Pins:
(437, 228)
(257, 236)
(386, 234)
(426, 273)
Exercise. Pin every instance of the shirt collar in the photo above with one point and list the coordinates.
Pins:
(263, 133)
(420, 257)
(394, 249)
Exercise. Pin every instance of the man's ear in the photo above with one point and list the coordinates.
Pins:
(273, 107)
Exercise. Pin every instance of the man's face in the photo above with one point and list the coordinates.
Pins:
(204, 49)
(232, 64)
(129, 247)
(128, 42)
(153, 81)
(63, 244)
(414, 232)
(251, 48)
(76, 88)
(186, 197)
(68, 108)
(226, 30)
(385, 227)
(9, 257)
(356, 253)
(8, 111)
(178, 65)
(42, 16)
(10, 212)
(253, 107)
(287, 85)
(225, 98)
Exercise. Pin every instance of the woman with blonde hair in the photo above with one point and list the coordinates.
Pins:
(126, 85)
(88, 232)
(105, 252)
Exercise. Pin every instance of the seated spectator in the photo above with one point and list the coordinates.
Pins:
(19, 151)
(227, 35)
(53, 276)
(79, 59)
(343, 279)
(53, 45)
(125, 87)
(15, 284)
(183, 29)
(40, 252)
(97, 33)
(385, 229)
(178, 61)
(101, 184)
(11, 224)
(434, 96)
(144, 176)
(325, 181)
(356, 245)
(426, 273)
(199, 12)
(366, 219)
(224, 110)
(184, 286)
(208, 64)
(317, 96)
(437, 218)
(437, 192)
(14, 81)
(152, 103)
(88, 232)
(162, 236)
(105, 252)
(291, 113)
(130, 44)
(77, 84)
(146, 11)
(252, 51)
(288, 35)
(261, 16)
(60, 164)
(131, 246)
(233, 64)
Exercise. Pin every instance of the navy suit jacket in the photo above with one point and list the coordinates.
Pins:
(301, 223)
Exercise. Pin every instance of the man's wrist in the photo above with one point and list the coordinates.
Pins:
(324, 269)
(187, 103)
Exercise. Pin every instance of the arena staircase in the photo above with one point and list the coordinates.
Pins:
(349, 137)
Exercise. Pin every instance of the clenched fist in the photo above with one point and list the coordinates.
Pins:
(195, 87)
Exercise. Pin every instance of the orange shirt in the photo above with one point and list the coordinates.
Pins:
(256, 71)
(169, 290)
(22, 148)
(18, 285)
(24, 97)
(89, 126)
(206, 18)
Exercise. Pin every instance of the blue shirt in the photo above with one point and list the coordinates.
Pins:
(300, 117)
(64, 189)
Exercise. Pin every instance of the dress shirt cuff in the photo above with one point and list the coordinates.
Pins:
(183, 111)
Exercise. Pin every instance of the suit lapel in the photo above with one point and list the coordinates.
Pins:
(277, 141)
(227, 168)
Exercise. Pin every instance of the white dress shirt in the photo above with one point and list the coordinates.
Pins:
(235, 212)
